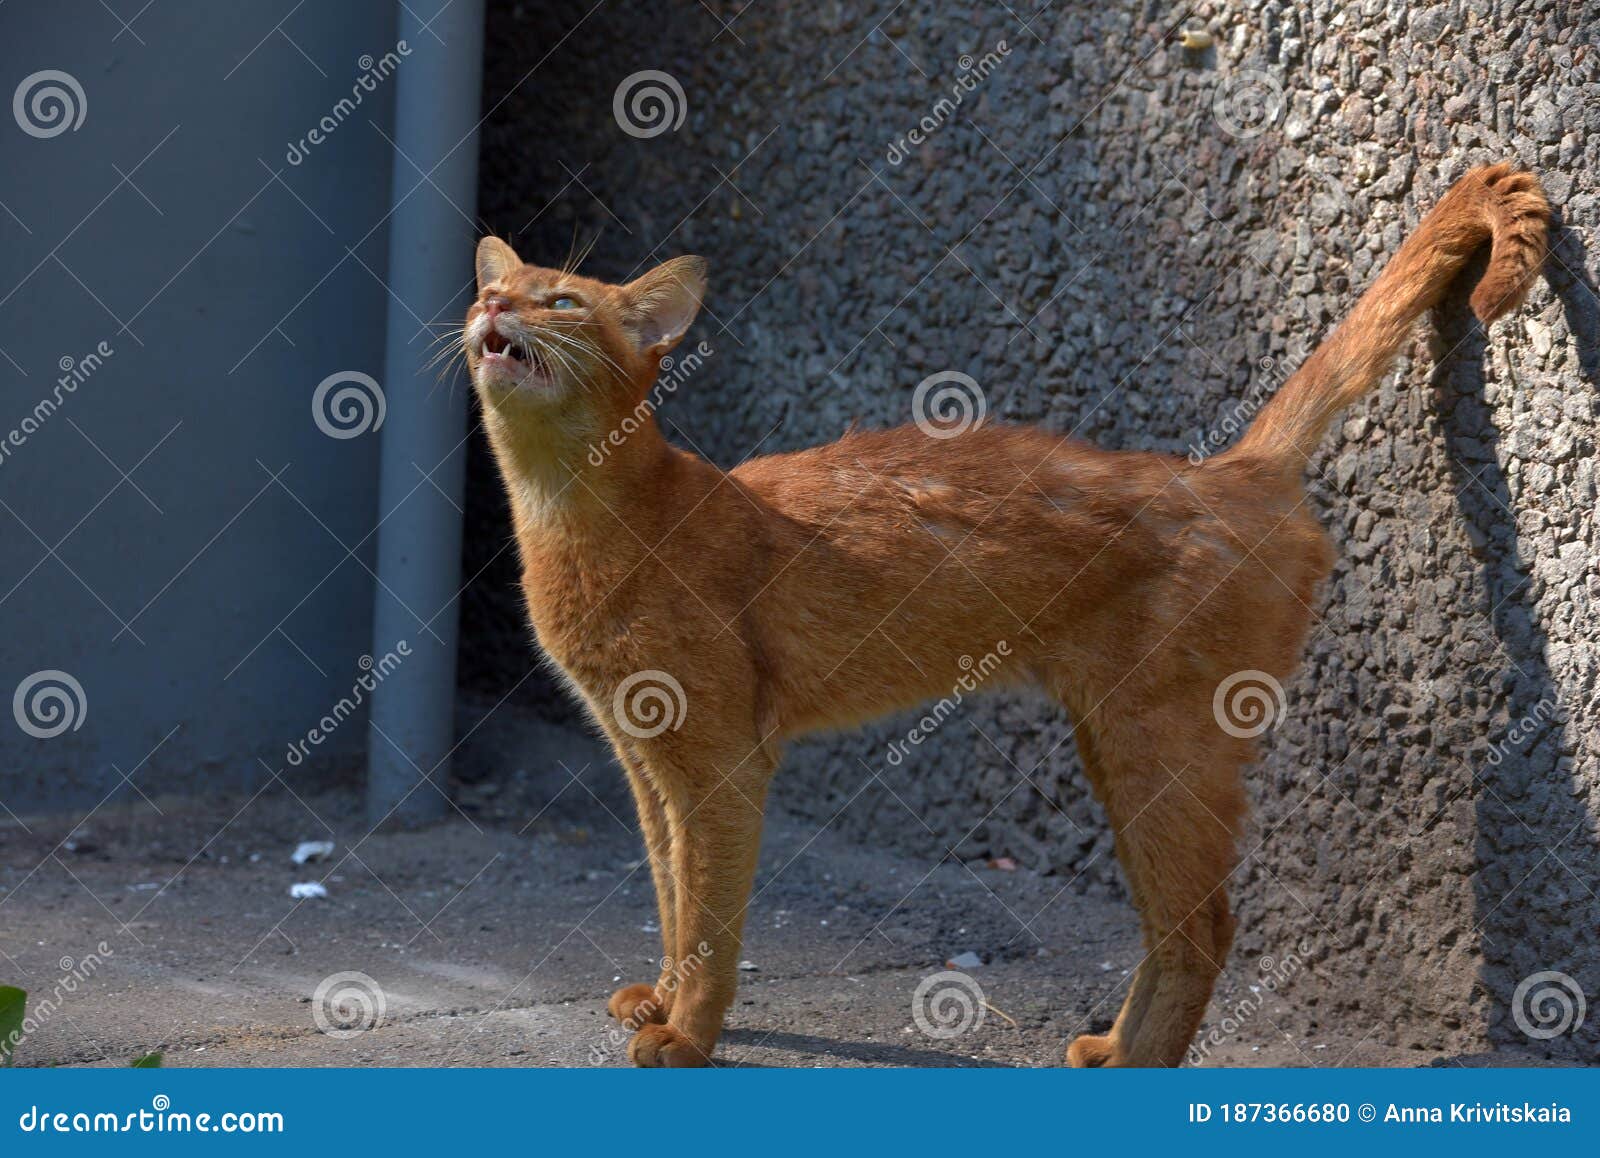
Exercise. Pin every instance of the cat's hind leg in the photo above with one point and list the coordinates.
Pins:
(1174, 809)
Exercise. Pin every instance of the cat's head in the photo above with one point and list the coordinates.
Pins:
(547, 345)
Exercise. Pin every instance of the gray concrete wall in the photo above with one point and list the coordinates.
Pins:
(1100, 236)
(176, 530)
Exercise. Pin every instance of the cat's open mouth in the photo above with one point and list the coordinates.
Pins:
(508, 354)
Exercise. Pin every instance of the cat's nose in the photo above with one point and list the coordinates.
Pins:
(495, 305)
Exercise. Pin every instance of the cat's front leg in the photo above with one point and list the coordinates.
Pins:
(714, 808)
(643, 1003)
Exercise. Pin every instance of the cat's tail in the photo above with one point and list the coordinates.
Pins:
(1498, 204)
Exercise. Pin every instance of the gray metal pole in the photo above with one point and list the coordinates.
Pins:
(431, 234)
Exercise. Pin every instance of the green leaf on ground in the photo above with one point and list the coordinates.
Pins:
(150, 1061)
(13, 1005)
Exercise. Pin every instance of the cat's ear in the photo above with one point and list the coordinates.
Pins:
(495, 260)
(658, 308)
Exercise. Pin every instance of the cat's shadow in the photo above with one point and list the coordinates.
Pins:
(1530, 822)
(859, 1051)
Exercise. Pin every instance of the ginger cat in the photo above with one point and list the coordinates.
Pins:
(820, 588)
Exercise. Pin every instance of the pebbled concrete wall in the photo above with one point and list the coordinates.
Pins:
(1132, 241)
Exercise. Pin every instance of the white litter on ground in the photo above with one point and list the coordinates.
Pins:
(308, 850)
(307, 890)
(967, 960)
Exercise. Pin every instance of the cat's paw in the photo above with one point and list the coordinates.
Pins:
(1091, 1051)
(662, 1047)
(637, 1005)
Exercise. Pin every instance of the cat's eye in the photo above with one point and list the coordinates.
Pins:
(564, 303)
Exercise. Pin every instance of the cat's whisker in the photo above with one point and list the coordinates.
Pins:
(442, 353)
(573, 262)
(447, 354)
(587, 348)
(448, 372)
(455, 335)
(554, 354)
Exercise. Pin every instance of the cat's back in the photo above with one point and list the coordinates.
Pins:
(971, 471)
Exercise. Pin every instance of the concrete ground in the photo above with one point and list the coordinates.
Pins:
(497, 935)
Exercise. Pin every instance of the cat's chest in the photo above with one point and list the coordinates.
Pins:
(582, 616)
